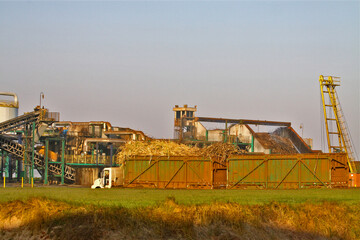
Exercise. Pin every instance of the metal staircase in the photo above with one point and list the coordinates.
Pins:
(19, 150)
(336, 124)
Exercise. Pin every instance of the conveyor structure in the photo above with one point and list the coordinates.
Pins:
(39, 160)
(27, 118)
(26, 150)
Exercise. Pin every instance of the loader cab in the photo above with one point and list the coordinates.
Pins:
(107, 182)
(110, 177)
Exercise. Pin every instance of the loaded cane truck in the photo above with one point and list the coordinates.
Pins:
(110, 177)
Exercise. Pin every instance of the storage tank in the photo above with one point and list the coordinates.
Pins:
(8, 108)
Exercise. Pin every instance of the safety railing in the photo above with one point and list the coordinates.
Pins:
(88, 159)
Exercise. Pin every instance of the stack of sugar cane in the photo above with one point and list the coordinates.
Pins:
(221, 151)
(216, 152)
(155, 148)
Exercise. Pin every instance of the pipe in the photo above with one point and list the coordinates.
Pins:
(133, 135)
(102, 140)
(107, 124)
(242, 121)
(13, 95)
(127, 132)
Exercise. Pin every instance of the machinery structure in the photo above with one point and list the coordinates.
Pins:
(18, 137)
(184, 122)
(190, 129)
(58, 151)
(337, 132)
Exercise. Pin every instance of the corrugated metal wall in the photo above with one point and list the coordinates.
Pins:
(243, 171)
(163, 172)
(288, 171)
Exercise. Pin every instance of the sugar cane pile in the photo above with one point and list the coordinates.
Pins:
(155, 148)
(216, 152)
(221, 151)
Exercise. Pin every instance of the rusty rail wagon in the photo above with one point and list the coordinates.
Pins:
(260, 171)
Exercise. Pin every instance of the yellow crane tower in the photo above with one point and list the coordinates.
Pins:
(335, 123)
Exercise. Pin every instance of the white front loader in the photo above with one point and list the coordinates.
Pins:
(110, 177)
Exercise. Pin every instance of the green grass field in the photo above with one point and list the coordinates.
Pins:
(60, 212)
(131, 198)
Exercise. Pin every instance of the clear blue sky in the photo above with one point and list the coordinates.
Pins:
(130, 62)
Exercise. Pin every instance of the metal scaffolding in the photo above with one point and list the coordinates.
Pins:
(335, 123)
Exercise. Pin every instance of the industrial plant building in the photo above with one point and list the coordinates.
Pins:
(284, 140)
(65, 152)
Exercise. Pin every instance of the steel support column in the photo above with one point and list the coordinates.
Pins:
(2, 164)
(267, 173)
(6, 164)
(17, 165)
(111, 154)
(26, 155)
(299, 173)
(62, 160)
(226, 131)
(10, 166)
(46, 162)
(252, 143)
(20, 164)
(97, 153)
(33, 150)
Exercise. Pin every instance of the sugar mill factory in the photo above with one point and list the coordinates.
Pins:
(206, 152)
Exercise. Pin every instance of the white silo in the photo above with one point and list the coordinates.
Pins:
(8, 109)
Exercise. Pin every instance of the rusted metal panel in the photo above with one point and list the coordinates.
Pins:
(339, 169)
(287, 171)
(354, 180)
(262, 171)
(198, 173)
(172, 172)
(219, 174)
